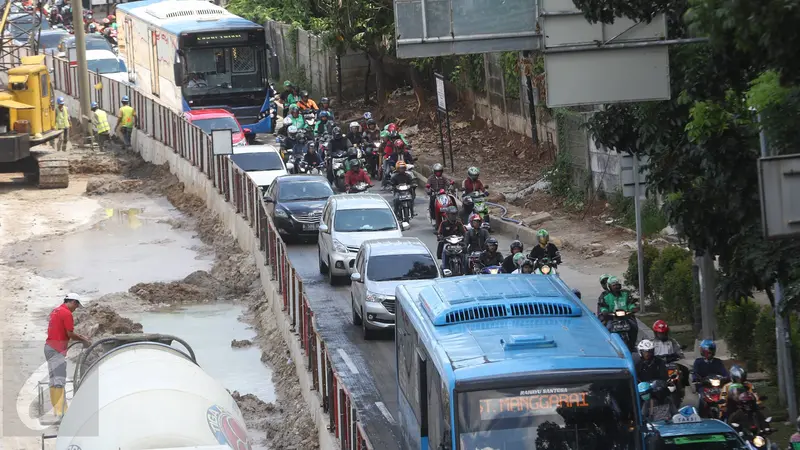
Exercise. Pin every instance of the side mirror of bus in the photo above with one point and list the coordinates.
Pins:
(178, 69)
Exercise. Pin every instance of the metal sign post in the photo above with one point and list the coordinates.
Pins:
(441, 109)
(634, 182)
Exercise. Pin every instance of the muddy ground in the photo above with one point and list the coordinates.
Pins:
(234, 277)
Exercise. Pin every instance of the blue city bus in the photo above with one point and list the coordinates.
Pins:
(193, 54)
(510, 362)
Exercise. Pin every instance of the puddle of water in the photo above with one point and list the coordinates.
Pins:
(209, 330)
(129, 245)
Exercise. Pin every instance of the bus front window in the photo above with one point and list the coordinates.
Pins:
(600, 415)
(223, 70)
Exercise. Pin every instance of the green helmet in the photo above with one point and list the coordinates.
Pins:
(519, 258)
(287, 83)
(543, 236)
(384, 134)
(473, 172)
(604, 278)
(294, 108)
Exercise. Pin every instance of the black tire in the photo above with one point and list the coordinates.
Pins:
(356, 318)
(323, 269)
(455, 267)
(366, 332)
(332, 279)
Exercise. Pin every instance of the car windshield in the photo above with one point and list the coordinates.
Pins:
(218, 123)
(307, 190)
(374, 219)
(50, 40)
(107, 65)
(255, 162)
(599, 415)
(92, 43)
(719, 441)
(402, 267)
(22, 24)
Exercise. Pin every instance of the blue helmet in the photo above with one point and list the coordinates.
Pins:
(94, 105)
(643, 387)
(367, 115)
(324, 114)
(60, 101)
(708, 348)
(125, 99)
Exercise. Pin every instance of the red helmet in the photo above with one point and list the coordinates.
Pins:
(399, 143)
(660, 327)
(392, 128)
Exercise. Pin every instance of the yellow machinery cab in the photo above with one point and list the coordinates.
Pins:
(29, 97)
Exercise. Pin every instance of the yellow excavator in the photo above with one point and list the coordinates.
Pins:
(27, 119)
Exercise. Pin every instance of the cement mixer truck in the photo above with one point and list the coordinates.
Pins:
(137, 391)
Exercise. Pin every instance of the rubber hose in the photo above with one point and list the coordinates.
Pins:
(505, 211)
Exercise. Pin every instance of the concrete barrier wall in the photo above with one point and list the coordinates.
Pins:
(199, 184)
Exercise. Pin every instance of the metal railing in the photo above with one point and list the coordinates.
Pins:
(171, 129)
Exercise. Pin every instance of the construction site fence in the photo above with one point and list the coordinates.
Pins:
(170, 128)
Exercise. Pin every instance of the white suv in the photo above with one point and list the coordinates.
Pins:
(347, 221)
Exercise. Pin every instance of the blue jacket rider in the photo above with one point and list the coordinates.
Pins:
(705, 366)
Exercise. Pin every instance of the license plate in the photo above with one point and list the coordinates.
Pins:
(405, 197)
(620, 327)
(310, 226)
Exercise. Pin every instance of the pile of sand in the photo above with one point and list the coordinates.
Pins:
(98, 320)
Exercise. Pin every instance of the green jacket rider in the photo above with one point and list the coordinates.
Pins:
(297, 119)
(616, 298)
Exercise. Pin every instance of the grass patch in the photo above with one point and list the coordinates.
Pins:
(653, 218)
(778, 413)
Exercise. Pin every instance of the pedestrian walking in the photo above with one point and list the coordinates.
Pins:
(101, 126)
(62, 123)
(126, 121)
(60, 330)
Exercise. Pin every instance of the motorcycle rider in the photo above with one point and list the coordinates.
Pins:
(794, 441)
(352, 156)
(747, 414)
(517, 259)
(451, 226)
(355, 175)
(649, 368)
(644, 390)
(325, 105)
(371, 132)
(354, 134)
(705, 366)
(395, 134)
(527, 267)
(337, 144)
(385, 152)
(364, 120)
(476, 236)
(324, 125)
(469, 185)
(400, 153)
(297, 119)
(288, 97)
(660, 406)
(490, 256)
(294, 142)
(603, 283)
(399, 177)
(617, 298)
(738, 376)
(305, 103)
(545, 249)
(436, 182)
(665, 346)
(311, 156)
(509, 264)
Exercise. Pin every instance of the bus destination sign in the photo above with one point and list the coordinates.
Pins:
(533, 402)
(221, 38)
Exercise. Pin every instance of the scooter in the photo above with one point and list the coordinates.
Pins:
(755, 437)
(359, 188)
(476, 202)
(675, 378)
(404, 208)
(443, 200)
(454, 249)
(711, 396)
(619, 323)
(338, 166)
(545, 266)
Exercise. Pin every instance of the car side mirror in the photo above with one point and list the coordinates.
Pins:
(323, 228)
(356, 277)
(268, 199)
(447, 272)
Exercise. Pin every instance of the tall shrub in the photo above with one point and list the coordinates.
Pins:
(651, 253)
(739, 328)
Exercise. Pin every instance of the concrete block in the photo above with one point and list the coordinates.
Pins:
(537, 219)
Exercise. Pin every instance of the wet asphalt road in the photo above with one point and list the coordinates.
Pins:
(368, 367)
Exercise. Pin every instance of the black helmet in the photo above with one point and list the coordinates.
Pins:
(352, 152)
(303, 94)
(577, 292)
(451, 213)
(516, 244)
(355, 164)
(337, 132)
(491, 241)
(371, 122)
(659, 388)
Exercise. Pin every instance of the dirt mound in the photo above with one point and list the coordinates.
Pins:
(252, 406)
(98, 320)
(245, 343)
(110, 184)
(197, 287)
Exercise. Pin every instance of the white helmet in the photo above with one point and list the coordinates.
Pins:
(645, 345)
(354, 125)
(287, 121)
(292, 129)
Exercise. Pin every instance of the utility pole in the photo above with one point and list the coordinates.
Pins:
(85, 96)
(708, 294)
(782, 325)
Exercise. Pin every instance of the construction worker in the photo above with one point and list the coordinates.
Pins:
(62, 123)
(60, 329)
(127, 118)
(101, 126)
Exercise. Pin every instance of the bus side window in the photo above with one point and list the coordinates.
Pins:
(438, 416)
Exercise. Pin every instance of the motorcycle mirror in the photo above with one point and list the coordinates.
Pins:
(768, 419)
(447, 272)
(735, 425)
(404, 226)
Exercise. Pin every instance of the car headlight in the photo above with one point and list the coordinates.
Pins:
(339, 247)
(377, 298)
(281, 213)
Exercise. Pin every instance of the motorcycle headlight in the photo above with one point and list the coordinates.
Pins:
(715, 383)
(545, 270)
(492, 271)
(339, 247)
(621, 313)
(281, 213)
(759, 441)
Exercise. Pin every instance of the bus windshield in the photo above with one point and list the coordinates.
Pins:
(221, 70)
(599, 415)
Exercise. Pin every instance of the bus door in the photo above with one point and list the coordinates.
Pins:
(154, 88)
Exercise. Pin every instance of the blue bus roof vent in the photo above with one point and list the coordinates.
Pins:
(480, 297)
(519, 342)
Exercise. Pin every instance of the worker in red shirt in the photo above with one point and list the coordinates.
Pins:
(60, 330)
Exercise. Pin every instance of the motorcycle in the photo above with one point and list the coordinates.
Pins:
(443, 200)
(454, 249)
(476, 202)
(711, 396)
(755, 437)
(491, 270)
(675, 383)
(338, 166)
(619, 323)
(404, 208)
(372, 159)
(309, 169)
(359, 188)
(545, 266)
